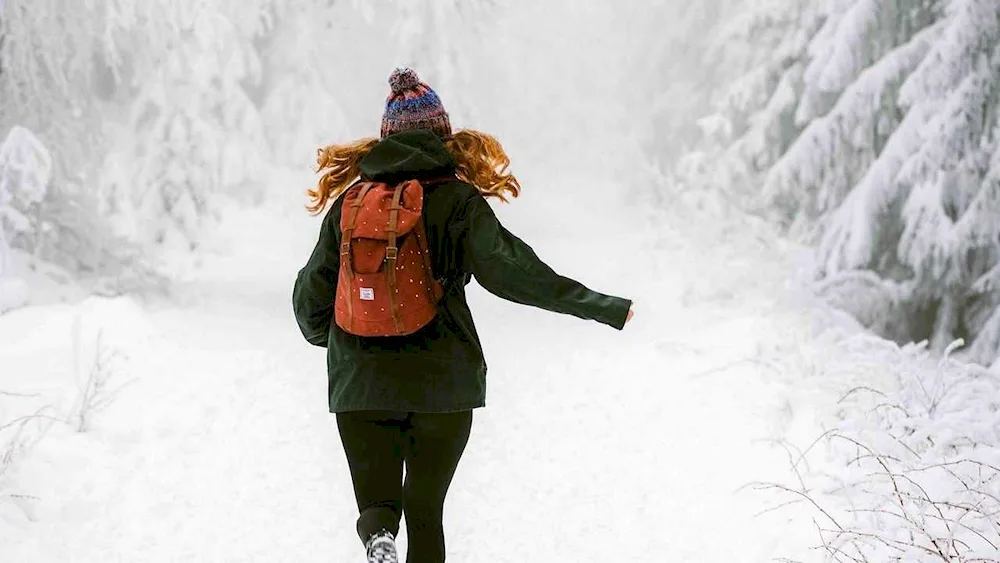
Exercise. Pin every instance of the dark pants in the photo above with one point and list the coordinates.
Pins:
(376, 444)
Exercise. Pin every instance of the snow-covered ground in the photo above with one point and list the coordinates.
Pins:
(595, 445)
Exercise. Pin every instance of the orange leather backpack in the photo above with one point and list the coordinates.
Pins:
(385, 287)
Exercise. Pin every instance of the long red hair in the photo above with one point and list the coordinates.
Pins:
(481, 161)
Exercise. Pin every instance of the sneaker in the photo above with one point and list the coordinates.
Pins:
(382, 548)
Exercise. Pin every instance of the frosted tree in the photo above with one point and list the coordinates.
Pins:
(761, 45)
(54, 84)
(189, 130)
(192, 130)
(50, 71)
(756, 55)
(759, 107)
(859, 60)
(976, 233)
(25, 169)
(927, 211)
(892, 112)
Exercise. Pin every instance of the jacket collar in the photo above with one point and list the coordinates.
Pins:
(410, 154)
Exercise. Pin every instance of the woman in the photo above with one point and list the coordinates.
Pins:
(409, 399)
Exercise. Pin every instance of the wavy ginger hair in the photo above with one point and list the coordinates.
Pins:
(481, 161)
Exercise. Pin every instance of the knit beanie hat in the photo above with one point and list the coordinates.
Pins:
(413, 105)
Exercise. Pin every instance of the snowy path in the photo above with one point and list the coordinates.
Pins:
(596, 445)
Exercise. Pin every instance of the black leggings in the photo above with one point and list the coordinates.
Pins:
(376, 444)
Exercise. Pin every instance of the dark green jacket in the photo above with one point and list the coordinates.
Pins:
(441, 367)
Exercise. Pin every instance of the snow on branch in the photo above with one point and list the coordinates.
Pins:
(839, 52)
(971, 26)
(853, 237)
(977, 224)
(834, 151)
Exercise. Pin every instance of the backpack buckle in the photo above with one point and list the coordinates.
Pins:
(345, 248)
(391, 252)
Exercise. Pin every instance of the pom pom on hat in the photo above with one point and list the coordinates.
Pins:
(403, 79)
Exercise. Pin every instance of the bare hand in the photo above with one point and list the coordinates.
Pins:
(630, 314)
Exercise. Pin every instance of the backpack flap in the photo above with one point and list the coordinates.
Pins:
(373, 217)
(368, 242)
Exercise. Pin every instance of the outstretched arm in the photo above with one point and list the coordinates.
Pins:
(507, 267)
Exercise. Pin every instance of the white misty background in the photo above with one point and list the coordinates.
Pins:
(802, 197)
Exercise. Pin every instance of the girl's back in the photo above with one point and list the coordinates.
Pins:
(410, 398)
(440, 368)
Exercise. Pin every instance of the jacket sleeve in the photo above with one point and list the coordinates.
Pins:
(316, 287)
(507, 267)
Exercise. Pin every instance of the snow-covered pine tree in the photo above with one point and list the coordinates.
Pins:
(755, 56)
(55, 83)
(858, 61)
(192, 130)
(893, 115)
(25, 170)
(49, 73)
(759, 107)
(928, 210)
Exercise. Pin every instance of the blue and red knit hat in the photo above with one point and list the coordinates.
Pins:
(411, 105)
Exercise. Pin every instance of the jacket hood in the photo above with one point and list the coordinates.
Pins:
(406, 155)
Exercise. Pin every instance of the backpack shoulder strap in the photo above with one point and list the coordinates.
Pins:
(345, 243)
(393, 227)
(355, 207)
(352, 220)
(392, 251)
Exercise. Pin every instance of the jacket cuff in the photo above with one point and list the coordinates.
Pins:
(618, 312)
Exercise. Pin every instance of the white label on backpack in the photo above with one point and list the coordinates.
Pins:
(367, 294)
